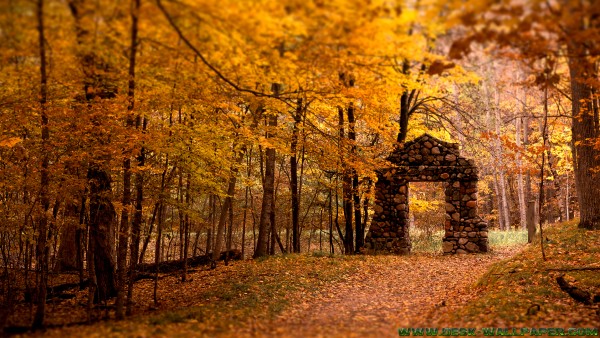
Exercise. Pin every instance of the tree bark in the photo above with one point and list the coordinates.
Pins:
(268, 185)
(42, 252)
(136, 224)
(126, 201)
(239, 156)
(585, 156)
(294, 179)
(268, 193)
(101, 221)
(346, 189)
(97, 85)
(520, 183)
(358, 226)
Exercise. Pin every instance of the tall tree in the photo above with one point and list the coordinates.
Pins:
(294, 177)
(97, 85)
(42, 250)
(124, 228)
(269, 183)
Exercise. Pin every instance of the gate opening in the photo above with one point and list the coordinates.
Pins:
(427, 216)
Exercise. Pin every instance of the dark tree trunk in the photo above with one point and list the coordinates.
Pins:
(225, 207)
(42, 252)
(186, 230)
(586, 157)
(268, 193)
(268, 186)
(403, 118)
(347, 81)
(102, 214)
(136, 224)
(294, 179)
(358, 226)
(346, 191)
(97, 85)
(404, 108)
(122, 272)
(366, 202)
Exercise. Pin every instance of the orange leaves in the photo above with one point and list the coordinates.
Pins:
(10, 142)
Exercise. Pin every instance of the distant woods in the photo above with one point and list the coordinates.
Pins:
(138, 133)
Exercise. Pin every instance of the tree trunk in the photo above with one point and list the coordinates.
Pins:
(124, 229)
(102, 214)
(42, 252)
(268, 186)
(97, 85)
(520, 183)
(136, 224)
(226, 205)
(358, 226)
(346, 190)
(585, 156)
(268, 190)
(294, 179)
(404, 108)
(186, 230)
(499, 157)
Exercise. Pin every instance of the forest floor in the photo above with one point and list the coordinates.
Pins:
(321, 296)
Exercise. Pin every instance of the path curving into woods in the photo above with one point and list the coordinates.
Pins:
(409, 291)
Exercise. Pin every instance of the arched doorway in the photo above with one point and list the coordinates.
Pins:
(427, 159)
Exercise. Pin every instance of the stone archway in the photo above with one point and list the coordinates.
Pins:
(427, 159)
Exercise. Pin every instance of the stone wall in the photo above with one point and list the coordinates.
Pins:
(427, 159)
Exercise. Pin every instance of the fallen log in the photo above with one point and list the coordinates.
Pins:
(573, 291)
(176, 265)
(583, 268)
(143, 272)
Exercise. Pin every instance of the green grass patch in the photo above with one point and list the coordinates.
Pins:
(424, 242)
(500, 238)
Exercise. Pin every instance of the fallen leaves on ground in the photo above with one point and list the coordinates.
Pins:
(351, 296)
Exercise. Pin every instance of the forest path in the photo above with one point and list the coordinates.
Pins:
(403, 292)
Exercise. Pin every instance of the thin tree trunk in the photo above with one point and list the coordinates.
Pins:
(225, 207)
(346, 190)
(42, 247)
(126, 201)
(159, 229)
(358, 226)
(148, 236)
(294, 179)
(520, 184)
(246, 195)
(186, 230)
(530, 212)
(541, 189)
(330, 212)
(80, 236)
(499, 157)
(229, 239)
(136, 224)
(404, 108)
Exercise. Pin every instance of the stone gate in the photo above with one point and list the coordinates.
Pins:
(427, 159)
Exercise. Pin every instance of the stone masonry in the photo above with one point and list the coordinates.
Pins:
(427, 159)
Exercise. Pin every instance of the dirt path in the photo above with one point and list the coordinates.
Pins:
(404, 292)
